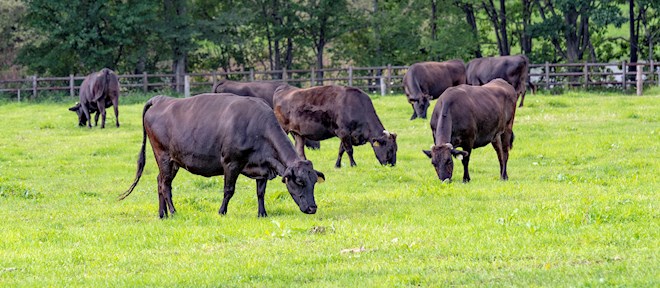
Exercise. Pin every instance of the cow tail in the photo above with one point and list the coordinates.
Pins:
(141, 156)
(106, 79)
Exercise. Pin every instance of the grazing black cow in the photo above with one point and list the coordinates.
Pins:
(426, 81)
(98, 91)
(260, 89)
(223, 134)
(323, 112)
(471, 117)
(513, 69)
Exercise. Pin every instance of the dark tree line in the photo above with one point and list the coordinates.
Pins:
(78, 36)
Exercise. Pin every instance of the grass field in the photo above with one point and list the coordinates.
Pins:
(581, 207)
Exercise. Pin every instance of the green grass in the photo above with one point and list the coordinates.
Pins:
(581, 207)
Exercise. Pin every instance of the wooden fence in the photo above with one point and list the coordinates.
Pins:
(382, 80)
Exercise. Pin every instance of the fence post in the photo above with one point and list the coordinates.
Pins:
(19, 94)
(651, 71)
(586, 75)
(389, 76)
(350, 76)
(383, 88)
(214, 74)
(145, 83)
(547, 75)
(34, 87)
(640, 82)
(313, 78)
(624, 80)
(284, 76)
(186, 86)
(71, 86)
(251, 74)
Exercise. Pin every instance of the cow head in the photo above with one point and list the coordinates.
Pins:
(300, 179)
(82, 119)
(385, 148)
(442, 161)
(420, 104)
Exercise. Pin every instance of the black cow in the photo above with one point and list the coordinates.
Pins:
(471, 117)
(223, 134)
(323, 112)
(98, 91)
(426, 81)
(259, 89)
(513, 69)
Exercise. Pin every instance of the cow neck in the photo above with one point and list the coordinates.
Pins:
(285, 154)
(443, 130)
(374, 127)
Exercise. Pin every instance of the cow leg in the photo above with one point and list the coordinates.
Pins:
(168, 170)
(115, 106)
(231, 174)
(101, 107)
(348, 146)
(86, 112)
(340, 154)
(96, 118)
(507, 142)
(261, 191)
(300, 145)
(497, 144)
(466, 163)
(522, 99)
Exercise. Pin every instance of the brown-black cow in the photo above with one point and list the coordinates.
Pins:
(323, 112)
(426, 81)
(98, 91)
(471, 117)
(223, 134)
(259, 89)
(513, 69)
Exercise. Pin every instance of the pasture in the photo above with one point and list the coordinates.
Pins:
(581, 207)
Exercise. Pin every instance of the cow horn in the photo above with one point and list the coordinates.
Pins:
(387, 133)
(449, 145)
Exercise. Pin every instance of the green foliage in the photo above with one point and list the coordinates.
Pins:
(580, 209)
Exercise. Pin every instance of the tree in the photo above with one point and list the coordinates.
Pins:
(468, 8)
(78, 36)
(12, 36)
(498, 20)
(566, 24)
(322, 21)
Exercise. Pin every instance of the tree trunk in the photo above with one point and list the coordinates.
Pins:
(434, 20)
(472, 21)
(376, 24)
(506, 49)
(634, 35)
(319, 60)
(525, 39)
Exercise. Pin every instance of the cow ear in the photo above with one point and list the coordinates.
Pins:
(287, 173)
(321, 177)
(375, 142)
(427, 152)
(459, 154)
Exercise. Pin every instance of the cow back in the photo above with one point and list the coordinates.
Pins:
(263, 90)
(473, 112)
(433, 78)
(513, 69)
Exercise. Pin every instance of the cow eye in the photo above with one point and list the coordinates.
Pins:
(300, 182)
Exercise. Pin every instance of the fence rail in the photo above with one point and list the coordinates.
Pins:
(382, 79)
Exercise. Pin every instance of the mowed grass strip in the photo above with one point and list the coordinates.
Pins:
(581, 207)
